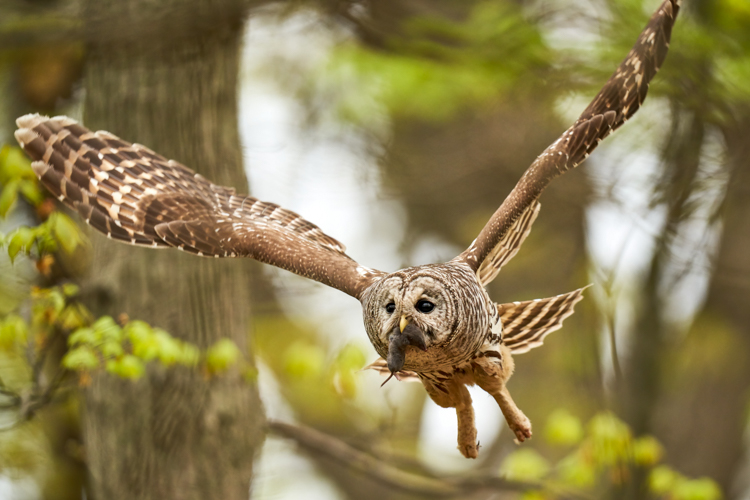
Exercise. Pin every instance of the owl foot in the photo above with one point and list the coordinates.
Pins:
(470, 450)
(517, 421)
(521, 427)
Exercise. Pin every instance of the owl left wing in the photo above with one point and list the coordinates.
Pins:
(526, 324)
(617, 101)
(508, 245)
(137, 196)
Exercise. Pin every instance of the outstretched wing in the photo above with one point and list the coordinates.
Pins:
(618, 100)
(134, 195)
(508, 245)
(525, 324)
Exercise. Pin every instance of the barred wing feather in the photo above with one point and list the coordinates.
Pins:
(615, 103)
(132, 194)
(526, 324)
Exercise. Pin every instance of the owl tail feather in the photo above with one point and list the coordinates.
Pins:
(525, 324)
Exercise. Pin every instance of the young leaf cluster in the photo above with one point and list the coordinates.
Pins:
(602, 454)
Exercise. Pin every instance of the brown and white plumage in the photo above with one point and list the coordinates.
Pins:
(135, 195)
(436, 322)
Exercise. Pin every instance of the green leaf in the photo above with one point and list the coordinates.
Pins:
(70, 289)
(169, 348)
(576, 471)
(563, 428)
(222, 355)
(662, 479)
(74, 316)
(137, 331)
(107, 329)
(30, 190)
(647, 451)
(55, 302)
(525, 464)
(351, 357)
(8, 196)
(20, 239)
(696, 489)
(127, 366)
(14, 164)
(82, 358)
(82, 336)
(190, 355)
(304, 360)
(13, 330)
(66, 231)
(610, 438)
(146, 348)
(111, 349)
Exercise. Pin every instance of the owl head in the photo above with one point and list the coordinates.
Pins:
(424, 317)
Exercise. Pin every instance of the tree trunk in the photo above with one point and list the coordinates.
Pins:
(705, 409)
(165, 74)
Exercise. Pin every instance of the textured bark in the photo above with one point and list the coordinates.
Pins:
(170, 83)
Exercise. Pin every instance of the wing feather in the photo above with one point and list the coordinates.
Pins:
(526, 324)
(132, 194)
(618, 100)
(509, 244)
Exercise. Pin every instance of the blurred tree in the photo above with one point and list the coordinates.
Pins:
(167, 77)
(470, 89)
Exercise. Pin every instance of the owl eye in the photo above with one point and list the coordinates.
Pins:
(390, 308)
(425, 306)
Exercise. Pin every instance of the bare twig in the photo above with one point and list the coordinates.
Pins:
(335, 449)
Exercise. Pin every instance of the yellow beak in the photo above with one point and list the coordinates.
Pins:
(402, 324)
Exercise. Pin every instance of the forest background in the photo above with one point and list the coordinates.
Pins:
(398, 127)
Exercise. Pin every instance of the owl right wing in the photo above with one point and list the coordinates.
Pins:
(615, 103)
(134, 195)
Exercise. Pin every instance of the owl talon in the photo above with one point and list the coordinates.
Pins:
(469, 451)
(522, 429)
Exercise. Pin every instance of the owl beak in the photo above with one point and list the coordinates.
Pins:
(402, 324)
(405, 334)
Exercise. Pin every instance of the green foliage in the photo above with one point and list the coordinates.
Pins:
(81, 358)
(563, 428)
(58, 231)
(17, 177)
(222, 355)
(525, 464)
(669, 484)
(126, 366)
(93, 343)
(348, 363)
(122, 350)
(439, 67)
(304, 360)
(606, 454)
(13, 330)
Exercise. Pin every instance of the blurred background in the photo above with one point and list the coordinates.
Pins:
(398, 127)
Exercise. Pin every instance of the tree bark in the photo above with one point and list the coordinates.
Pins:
(165, 74)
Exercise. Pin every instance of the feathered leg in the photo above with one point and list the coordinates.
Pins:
(454, 394)
(490, 372)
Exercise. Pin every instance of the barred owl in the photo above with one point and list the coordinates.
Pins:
(435, 323)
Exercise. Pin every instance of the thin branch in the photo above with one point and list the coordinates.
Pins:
(384, 473)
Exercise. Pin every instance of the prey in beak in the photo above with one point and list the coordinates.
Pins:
(404, 334)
